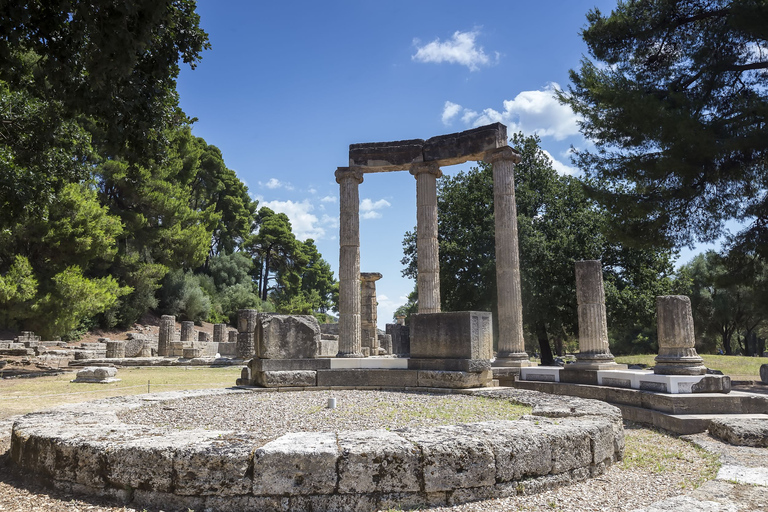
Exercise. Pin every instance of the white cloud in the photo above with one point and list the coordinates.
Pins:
(312, 191)
(304, 224)
(328, 199)
(450, 110)
(371, 215)
(559, 166)
(368, 205)
(460, 49)
(530, 112)
(274, 183)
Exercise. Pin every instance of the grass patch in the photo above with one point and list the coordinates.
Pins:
(738, 367)
(21, 396)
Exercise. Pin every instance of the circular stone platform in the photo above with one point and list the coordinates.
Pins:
(86, 448)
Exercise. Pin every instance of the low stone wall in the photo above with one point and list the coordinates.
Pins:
(85, 448)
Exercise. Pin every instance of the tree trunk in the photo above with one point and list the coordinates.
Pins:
(559, 346)
(546, 350)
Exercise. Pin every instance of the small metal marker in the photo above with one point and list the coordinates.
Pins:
(331, 403)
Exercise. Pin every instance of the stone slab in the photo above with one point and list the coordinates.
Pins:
(296, 463)
(386, 156)
(367, 377)
(285, 379)
(276, 365)
(469, 145)
(287, 336)
(456, 365)
(741, 431)
(369, 362)
(454, 335)
(454, 380)
(539, 373)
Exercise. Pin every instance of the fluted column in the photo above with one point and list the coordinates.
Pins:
(593, 325)
(165, 335)
(510, 308)
(368, 311)
(427, 249)
(677, 351)
(349, 262)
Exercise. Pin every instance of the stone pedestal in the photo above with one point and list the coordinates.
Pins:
(165, 335)
(368, 311)
(511, 350)
(176, 349)
(677, 352)
(428, 252)
(219, 333)
(187, 331)
(349, 262)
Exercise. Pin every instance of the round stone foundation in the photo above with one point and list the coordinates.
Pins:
(87, 449)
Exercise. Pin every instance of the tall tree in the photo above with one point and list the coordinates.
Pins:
(676, 102)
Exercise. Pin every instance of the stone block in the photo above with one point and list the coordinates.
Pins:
(457, 148)
(287, 336)
(454, 380)
(141, 464)
(328, 346)
(741, 431)
(175, 349)
(451, 365)
(97, 374)
(712, 384)
(453, 459)
(191, 353)
(458, 335)
(367, 377)
(278, 365)
(228, 349)
(213, 467)
(285, 379)
(296, 463)
(401, 339)
(385, 343)
(386, 156)
(135, 346)
(332, 329)
(396, 467)
(764, 373)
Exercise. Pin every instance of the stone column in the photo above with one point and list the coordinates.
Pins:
(115, 349)
(427, 249)
(511, 351)
(349, 262)
(368, 312)
(677, 352)
(246, 333)
(187, 331)
(219, 330)
(165, 335)
(594, 351)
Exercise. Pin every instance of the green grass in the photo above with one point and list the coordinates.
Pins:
(738, 367)
(21, 396)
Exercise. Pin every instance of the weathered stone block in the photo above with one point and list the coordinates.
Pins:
(141, 464)
(282, 379)
(97, 374)
(764, 373)
(451, 365)
(459, 335)
(453, 459)
(296, 463)
(277, 365)
(401, 339)
(386, 156)
(287, 336)
(454, 380)
(367, 377)
(457, 148)
(228, 349)
(741, 432)
(212, 466)
(377, 460)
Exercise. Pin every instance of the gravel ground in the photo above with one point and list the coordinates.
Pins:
(270, 415)
(656, 466)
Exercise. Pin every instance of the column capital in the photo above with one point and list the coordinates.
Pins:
(430, 167)
(345, 173)
(503, 153)
(370, 276)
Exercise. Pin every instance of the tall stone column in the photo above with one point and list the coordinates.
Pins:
(349, 262)
(594, 351)
(427, 249)
(511, 350)
(368, 311)
(165, 335)
(677, 351)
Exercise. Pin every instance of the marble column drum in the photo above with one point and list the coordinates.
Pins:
(349, 180)
(677, 352)
(427, 249)
(165, 335)
(511, 348)
(594, 350)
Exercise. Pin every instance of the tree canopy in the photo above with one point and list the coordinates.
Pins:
(675, 99)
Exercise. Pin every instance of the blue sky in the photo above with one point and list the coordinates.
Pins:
(287, 86)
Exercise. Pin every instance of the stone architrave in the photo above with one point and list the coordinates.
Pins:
(511, 350)
(368, 311)
(677, 352)
(165, 335)
(349, 180)
(187, 331)
(594, 351)
(427, 249)
(246, 335)
(219, 331)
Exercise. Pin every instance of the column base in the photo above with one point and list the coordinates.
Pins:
(511, 360)
(350, 354)
(591, 364)
(684, 365)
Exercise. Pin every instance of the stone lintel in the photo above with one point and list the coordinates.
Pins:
(450, 149)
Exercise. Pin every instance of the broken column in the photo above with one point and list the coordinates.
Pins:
(219, 330)
(187, 331)
(368, 313)
(511, 349)
(246, 333)
(115, 349)
(165, 335)
(349, 262)
(677, 352)
(427, 249)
